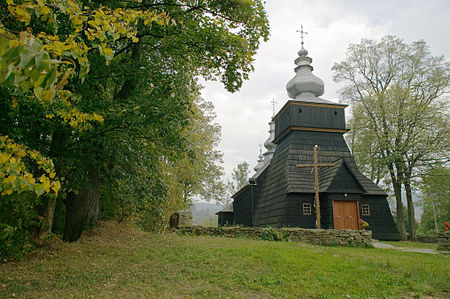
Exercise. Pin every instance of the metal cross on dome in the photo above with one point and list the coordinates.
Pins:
(301, 33)
(273, 106)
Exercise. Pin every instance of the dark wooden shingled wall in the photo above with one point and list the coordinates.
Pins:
(270, 194)
(382, 226)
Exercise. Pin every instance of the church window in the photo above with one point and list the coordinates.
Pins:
(365, 210)
(335, 112)
(300, 110)
(307, 207)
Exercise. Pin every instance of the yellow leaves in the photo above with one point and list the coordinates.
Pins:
(20, 12)
(78, 120)
(10, 179)
(4, 157)
(33, 154)
(97, 117)
(14, 176)
(56, 186)
(49, 115)
(7, 192)
(14, 103)
(45, 183)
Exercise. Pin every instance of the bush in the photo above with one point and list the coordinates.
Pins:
(19, 222)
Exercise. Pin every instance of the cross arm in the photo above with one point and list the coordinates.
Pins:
(318, 165)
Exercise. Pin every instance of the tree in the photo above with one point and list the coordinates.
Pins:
(398, 92)
(105, 90)
(199, 173)
(435, 186)
(239, 178)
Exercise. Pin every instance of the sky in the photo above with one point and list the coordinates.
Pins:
(331, 25)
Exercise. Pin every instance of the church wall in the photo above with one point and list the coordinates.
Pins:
(294, 216)
(380, 220)
(242, 209)
(225, 218)
(310, 116)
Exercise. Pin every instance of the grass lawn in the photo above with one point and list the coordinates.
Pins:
(119, 261)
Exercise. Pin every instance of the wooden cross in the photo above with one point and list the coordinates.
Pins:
(301, 33)
(273, 106)
(315, 165)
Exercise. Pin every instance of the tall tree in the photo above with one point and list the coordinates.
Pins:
(239, 178)
(435, 187)
(106, 89)
(199, 173)
(398, 91)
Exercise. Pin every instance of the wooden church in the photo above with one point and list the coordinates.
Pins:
(282, 191)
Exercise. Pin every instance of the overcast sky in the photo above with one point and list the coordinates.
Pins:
(331, 25)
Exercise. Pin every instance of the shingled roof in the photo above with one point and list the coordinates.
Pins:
(332, 149)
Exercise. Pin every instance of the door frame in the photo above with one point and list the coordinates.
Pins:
(358, 216)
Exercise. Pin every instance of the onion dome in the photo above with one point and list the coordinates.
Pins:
(304, 83)
(260, 160)
(269, 145)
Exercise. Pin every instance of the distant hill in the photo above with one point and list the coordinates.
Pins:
(204, 213)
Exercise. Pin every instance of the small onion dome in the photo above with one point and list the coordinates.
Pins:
(304, 83)
(268, 143)
(260, 162)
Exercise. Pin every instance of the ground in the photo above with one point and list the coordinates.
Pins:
(121, 261)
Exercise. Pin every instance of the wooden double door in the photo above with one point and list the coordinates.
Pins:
(346, 214)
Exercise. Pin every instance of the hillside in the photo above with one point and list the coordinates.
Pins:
(120, 261)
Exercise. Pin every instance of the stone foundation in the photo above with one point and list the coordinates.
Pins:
(443, 241)
(427, 239)
(346, 237)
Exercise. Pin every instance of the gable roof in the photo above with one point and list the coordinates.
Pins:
(332, 149)
(339, 178)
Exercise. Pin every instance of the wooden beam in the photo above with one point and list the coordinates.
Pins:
(312, 165)
(316, 165)
(316, 183)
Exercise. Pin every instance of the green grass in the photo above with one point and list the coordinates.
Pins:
(119, 261)
(409, 244)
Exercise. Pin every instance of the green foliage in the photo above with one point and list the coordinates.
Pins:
(199, 172)
(435, 186)
(108, 92)
(270, 234)
(18, 222)
(239, 178)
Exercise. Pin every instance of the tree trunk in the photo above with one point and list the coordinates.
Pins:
(82, 210)
(398, 198)
(48, 212)
(411, 214)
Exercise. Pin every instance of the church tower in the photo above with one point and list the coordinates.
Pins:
(280, 194)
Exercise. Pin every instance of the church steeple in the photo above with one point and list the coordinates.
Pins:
(304, 84)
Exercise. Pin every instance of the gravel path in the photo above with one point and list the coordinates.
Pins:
(377, 244)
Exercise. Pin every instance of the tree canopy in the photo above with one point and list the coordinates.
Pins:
(99, 96)
(400, 111)
(435, 187)
(239, 178)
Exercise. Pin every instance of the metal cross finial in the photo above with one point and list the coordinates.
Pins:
(273, 106)
(301, 33)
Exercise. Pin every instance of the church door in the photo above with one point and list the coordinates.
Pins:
(345, 214)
